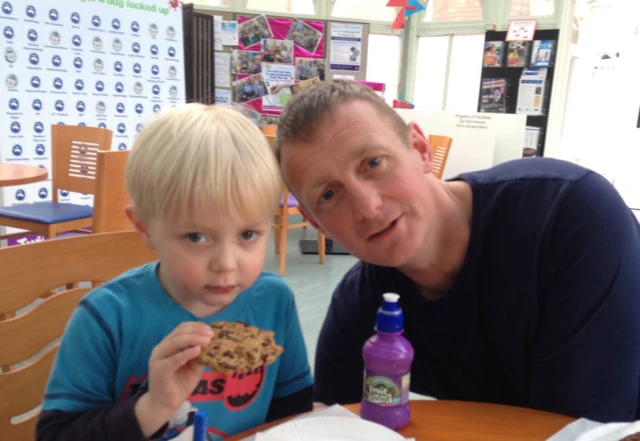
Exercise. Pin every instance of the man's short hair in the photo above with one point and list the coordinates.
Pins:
(306, 110)
(195, 156)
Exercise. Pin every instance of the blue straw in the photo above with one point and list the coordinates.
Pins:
(200, 426)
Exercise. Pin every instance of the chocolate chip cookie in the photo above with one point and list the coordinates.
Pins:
(632, 437)
(236, 347)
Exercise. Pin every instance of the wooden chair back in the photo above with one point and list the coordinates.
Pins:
(111, 196)
(29, 272)
(440, 146)
(74, 156)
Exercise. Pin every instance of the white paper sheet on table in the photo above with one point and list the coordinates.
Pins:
(332, 411)
(587, 430)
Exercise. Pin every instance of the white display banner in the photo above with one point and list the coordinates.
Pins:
(102, 63)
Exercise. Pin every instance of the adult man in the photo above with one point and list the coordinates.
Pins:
(520, 284)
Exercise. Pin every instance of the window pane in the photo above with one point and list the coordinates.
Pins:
(383, 59)
(531, 8)
(464, 73)
(364, 10)
(431, 71)
(453, 10)
(293, 6)
(209, 2)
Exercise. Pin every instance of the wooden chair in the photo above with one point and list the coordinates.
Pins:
(440, 146)
(111, 196)
(29, 271)
(74, 155)
(288, 207)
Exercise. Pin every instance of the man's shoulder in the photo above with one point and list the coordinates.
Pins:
(536, 170)
(365, 283)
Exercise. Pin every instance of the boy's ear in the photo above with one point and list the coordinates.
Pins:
(312, 222)
(141, 227)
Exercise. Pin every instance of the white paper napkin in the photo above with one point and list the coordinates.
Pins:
(331, 411)
(587, 430)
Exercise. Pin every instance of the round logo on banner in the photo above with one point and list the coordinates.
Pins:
(56, 60)
(156, 108)
(154, 49)
(32, 35)
(38, 127)
(53, 15)
(173, 91)
(8, 32)
(20, 195)
(117, 45)
(155, 70)
(14, 104)
(98, 65)
(99, 86)
(137, 88)
(95, 21)
(102, 125)
(139, 127)
(16, 150)
(64, 193)
(115, 24)
(79, 85)
(10, 55)
(117, 66)
(40, 150)
(171, 33)
(171, 51)
(122, 146)
(139, 108)
(30, 11)
(137, 68)
(15, 127)
(77, 62)
(75, 18)
(7, 8)
(172, 71)
(34, 59)
(35, 82)
(155, 89)
(97, 43)
(54, 38)
(153, 29)
(80, 106)
(101, 108)
(11, 81)
(82, 124)
(120, 108)
(122, 128)
(36, 105)
(43, 193)
(135, 27)
(76, 41)
(119, 87)
(57, 83)
(135, 47)
(59, 105)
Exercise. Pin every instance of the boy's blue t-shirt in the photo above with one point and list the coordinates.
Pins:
(105, 351)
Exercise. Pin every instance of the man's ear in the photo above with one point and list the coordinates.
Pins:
(141, 227)
(420, 143)
(312, 222)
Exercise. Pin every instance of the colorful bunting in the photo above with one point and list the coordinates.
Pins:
(402, 105)
(407, 8)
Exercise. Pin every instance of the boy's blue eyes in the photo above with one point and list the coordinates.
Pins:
(195, 237)
(248, 235)
(199, 237)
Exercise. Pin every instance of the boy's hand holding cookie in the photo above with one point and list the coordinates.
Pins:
(173, 374)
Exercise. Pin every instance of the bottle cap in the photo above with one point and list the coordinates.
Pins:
(200, 426)
(390, 317)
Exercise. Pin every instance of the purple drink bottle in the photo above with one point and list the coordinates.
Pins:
(387, 362)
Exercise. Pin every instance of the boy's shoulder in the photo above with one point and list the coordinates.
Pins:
(123, 289)
(271, 291)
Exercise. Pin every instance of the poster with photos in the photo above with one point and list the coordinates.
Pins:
(277, 51)
(253, 31)
(246, 62)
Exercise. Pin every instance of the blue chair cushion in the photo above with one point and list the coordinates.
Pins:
(47, 212)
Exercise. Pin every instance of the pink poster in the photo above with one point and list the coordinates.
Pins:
(307, 37)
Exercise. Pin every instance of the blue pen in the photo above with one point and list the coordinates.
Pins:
(200, 426)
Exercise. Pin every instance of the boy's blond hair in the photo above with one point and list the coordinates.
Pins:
(201, 157)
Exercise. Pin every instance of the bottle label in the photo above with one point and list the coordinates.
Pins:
(386, 391)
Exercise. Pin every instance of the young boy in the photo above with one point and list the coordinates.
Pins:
(204, 185)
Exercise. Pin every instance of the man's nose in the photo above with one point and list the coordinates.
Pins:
(365, 200)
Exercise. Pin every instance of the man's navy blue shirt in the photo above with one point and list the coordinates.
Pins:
(545, 312)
